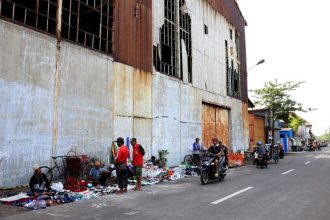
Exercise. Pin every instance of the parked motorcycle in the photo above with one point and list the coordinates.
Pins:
(261, 161)
(208, 169)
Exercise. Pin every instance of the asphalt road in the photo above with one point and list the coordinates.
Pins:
(295, 189)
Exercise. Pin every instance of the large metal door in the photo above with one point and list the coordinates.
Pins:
(259, 129)
(215, 124)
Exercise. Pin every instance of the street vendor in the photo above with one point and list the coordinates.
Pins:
(98, 175)
(39, 184)
(121, 165)
(138, 153)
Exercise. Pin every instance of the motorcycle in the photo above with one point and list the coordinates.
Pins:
(207, 169)
(261, 161)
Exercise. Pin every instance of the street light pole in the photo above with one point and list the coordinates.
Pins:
(260, 62)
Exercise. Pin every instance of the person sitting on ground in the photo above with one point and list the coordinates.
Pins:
(215, 150)
(39, 184)
(153, 160)
(98, 175)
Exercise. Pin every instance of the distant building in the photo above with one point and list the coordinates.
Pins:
(260, 124)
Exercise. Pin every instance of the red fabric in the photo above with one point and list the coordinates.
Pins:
(137, 156)
(122, 155)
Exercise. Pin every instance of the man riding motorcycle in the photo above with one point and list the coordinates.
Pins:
(260, 148)
(217, 150)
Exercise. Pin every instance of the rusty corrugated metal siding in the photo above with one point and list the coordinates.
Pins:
(229, 9)
(133, 34)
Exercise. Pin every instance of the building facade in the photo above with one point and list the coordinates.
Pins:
(76, 74)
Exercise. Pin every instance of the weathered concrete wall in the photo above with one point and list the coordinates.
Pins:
(209, 85)
(99, 99)
(85, 102)
(27, 67)
(27, 80)
(132, 105)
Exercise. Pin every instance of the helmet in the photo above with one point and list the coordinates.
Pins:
(259, 143)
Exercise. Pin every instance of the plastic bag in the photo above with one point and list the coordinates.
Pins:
(57, 187)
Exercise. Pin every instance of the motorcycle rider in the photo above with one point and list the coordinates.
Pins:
(261, 149)
(217, 149)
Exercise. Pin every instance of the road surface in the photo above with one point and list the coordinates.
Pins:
(295, 189)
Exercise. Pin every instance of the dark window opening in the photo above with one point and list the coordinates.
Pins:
(237, 43)
(39, 14)
(206, 30)
(86, 22)
(231, 34)
(185, 35)
(165, 55)
(89, 23)
(232, 77)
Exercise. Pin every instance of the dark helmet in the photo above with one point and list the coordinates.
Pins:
(259, 143)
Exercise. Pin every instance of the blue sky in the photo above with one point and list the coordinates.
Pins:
(293, 36)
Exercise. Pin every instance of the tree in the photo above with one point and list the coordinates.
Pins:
(295, 121)
(276, 97)
(325, 136)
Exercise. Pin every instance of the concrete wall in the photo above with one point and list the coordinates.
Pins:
(209, 85)
(27, 66)
(99, 99)
(27, 85)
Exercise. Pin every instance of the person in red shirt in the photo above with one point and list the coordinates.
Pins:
(138, 153)
(121, 165)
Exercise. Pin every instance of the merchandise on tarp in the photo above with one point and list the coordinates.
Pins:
(17, 200)
(57, 186)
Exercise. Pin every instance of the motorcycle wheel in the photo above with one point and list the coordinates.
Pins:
(222, 177)
(204, 177)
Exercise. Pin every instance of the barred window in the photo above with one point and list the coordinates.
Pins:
(175, 30)
(89, 23)
(86, 22)
(39, 14)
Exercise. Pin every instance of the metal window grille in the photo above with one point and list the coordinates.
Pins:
(86, 22)
(165, 55)
(39, 14)
(89, 23)
(185, 34)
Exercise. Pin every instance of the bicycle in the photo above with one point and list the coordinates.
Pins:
(60, 171)
(57, 169)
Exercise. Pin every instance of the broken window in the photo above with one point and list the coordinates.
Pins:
(86, 22)
(185, 35)
(89, 23)
(232, 76)
(39, 14)
(206, 30)
(166, 56)
(237, 44)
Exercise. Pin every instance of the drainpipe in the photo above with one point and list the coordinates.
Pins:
(57, 74)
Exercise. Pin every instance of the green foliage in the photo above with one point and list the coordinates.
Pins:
(275, 96)
(325, 136)
(163, 154)
(295, 121)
